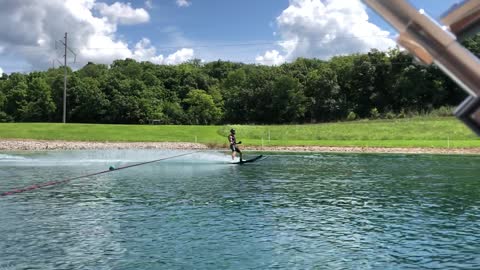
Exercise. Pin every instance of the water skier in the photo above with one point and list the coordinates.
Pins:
(233, 145)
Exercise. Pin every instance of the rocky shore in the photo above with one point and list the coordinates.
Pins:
(392, 150)
(37, 145)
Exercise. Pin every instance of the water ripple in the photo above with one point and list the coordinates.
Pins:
(292, 211)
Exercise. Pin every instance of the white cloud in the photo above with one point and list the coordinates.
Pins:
(93, 36)
(123, 13)
(179, 56)
(1, 72)
(272, 58)
(322, 29)
(144, 51)
(183, 3)
(102, 49)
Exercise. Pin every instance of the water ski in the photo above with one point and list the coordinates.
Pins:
(249, 160)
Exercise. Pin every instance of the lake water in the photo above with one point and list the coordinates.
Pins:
(289, 211)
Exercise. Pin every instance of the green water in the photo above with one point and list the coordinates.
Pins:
(290, 211)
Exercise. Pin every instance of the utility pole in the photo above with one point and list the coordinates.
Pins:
(65, 45)
(65, 82)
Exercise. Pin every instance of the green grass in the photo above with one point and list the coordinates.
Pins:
(112, 133)
(413, 132)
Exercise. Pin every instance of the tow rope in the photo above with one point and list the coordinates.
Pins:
(111, 169)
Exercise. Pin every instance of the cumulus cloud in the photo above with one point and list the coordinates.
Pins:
(144, 51)
(183, 3)
(272, 58)
(123, 13)
(91, 26)
(1, 72)
(322, 29)
(179, 56)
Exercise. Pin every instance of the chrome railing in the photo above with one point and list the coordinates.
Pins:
(433, 43)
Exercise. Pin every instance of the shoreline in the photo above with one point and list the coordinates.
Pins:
(46, 145)
(371, 150)
(42, 145)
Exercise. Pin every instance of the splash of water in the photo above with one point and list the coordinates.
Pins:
(92, 157)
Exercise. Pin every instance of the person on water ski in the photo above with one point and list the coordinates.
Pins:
(233, 144)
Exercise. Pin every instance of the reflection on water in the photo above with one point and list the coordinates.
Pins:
(290, 211)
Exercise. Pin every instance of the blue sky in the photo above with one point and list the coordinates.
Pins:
(234, 21)
(217, 22)
(161, 31)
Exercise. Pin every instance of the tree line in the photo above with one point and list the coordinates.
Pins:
(375, 84)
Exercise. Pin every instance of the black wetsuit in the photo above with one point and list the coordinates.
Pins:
(233, 144)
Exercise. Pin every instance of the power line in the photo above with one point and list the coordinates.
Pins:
(233, 44)
(239, 44)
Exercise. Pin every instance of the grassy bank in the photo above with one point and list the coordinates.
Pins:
(414, 132)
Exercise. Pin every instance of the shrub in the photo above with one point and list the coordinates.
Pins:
(5, 117)
(351, 116)
(412, 113)
(374, 114)
(442, 111)
(389, 115)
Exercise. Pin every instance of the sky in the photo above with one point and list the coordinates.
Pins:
(268, 32)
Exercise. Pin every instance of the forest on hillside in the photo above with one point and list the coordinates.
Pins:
(372, 85)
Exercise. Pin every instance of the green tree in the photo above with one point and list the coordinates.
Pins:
(304, 90)
(201, 108)
(91, 70)
(16, 92)
(288, 100)
(220, 69)
(37, 104)
(323, 91)
(88, 103)
(4, 117)
(235, 97)
(174, 113)
(473, 44)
